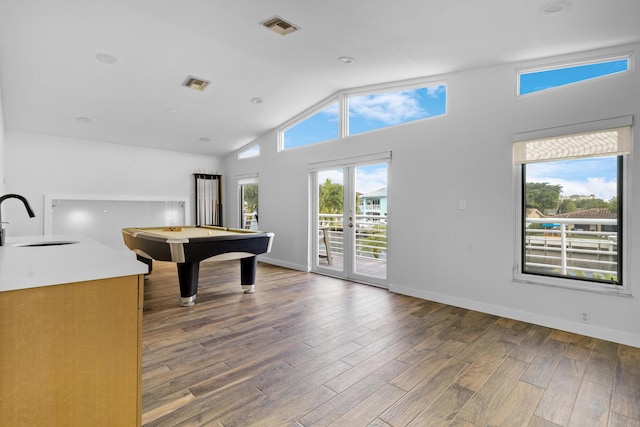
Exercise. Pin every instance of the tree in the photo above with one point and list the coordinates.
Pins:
(331, 198)
(613, 204)
(250, 197)
(567, 206)
(374, 241)
(542, 196)
(250, 204)
(591, 204)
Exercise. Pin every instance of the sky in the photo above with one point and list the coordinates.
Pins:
(369, 178)
(322, 126)
(580, 177)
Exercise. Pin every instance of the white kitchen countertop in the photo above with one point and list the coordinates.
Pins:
(31, 267)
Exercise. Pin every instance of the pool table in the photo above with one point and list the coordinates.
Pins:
(188, 245)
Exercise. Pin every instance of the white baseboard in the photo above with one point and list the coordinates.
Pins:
(281, 263)
(524, 316)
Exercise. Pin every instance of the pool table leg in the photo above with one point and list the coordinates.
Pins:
(188, 278)
(248, 274)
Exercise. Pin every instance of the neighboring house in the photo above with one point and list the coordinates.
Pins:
(374, 203)
(595, 213)
(577, 197)
(534, 213)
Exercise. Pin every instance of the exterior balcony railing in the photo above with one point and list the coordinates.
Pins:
(570, 251)
(563, 249)
(250, 221)
(371, 235)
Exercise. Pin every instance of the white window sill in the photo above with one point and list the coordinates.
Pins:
(579, 285)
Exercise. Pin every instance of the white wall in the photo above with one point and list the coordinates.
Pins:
(2, 150)
(43, 164)
(463, 155)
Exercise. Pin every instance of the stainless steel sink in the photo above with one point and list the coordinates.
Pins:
(45, 243)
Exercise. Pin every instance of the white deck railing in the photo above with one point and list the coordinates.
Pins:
(371, 235)
(561, 248)
(250, 221)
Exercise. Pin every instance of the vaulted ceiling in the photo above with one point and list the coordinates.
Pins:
(112, 70)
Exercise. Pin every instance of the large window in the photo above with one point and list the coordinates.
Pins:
(541, 79)
(571, 213)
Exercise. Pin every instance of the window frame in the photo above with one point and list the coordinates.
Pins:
(623, 194)
(570, 64)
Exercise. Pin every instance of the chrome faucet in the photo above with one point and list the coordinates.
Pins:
(26, 205)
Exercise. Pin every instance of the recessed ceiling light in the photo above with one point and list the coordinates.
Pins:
(82, 119)
(556, 8)
(106, 58)
(195, 83)
(256, 100)
(346, 60)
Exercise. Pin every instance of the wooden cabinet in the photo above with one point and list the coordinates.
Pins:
(71, 354)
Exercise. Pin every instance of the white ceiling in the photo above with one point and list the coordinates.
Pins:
(49, 74)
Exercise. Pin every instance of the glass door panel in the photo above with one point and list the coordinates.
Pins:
(249, 206)
(370, 225)
(330, 220)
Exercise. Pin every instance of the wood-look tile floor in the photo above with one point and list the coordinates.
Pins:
(309, 350)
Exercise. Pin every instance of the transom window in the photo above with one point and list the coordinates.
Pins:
(365, 111)
(571, 192)
(530, 81)
(253, 151)
(377, 111)
(321, 126)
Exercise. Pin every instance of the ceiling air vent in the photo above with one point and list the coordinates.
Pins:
(195, 83)
(280, 26)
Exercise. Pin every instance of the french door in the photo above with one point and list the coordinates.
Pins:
(349, 222)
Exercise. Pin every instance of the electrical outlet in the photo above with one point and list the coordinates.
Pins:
(585, 317)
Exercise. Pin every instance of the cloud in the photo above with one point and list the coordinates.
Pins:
(578, 177)
(436, 91)
(332, 111)
(335, 176)
(371, 178)
(390, 108)
(602, 188)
